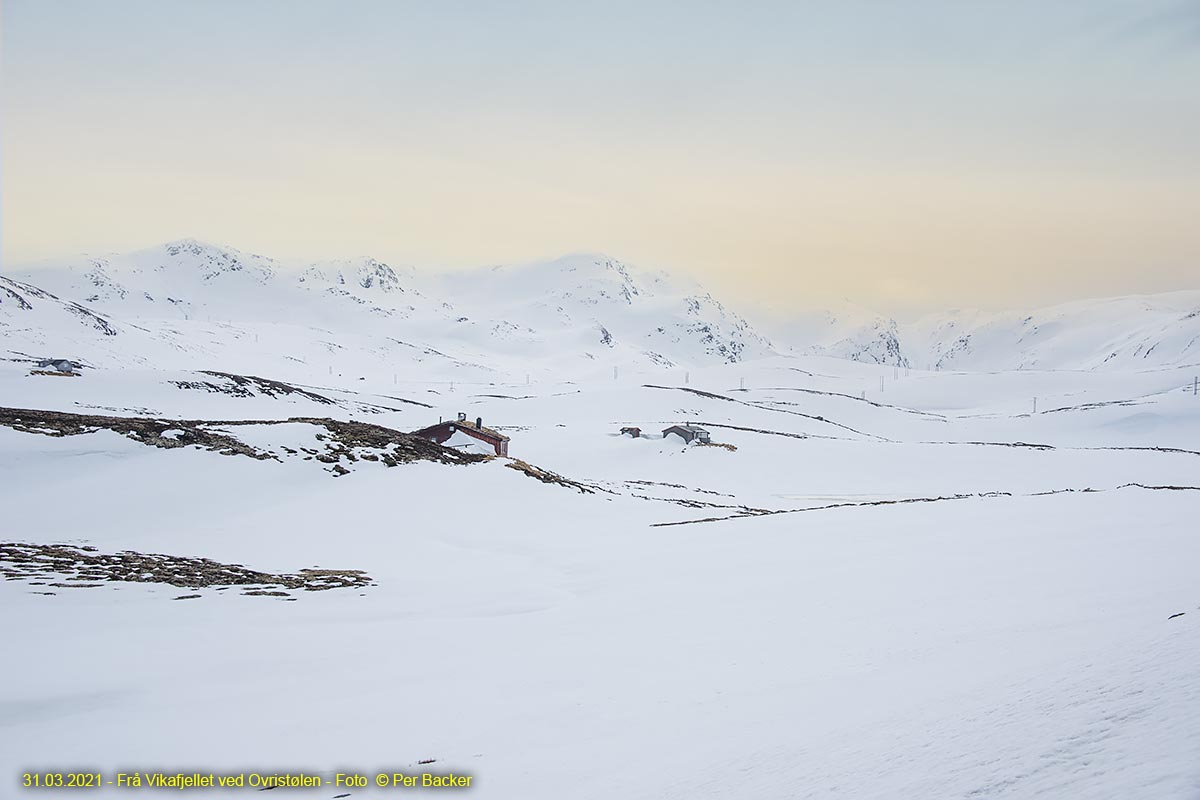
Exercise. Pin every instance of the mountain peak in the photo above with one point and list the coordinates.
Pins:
(210, 260)
(195, 247)
(365, 272)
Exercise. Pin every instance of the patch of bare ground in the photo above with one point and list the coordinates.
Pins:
(693, 503)
(934, 499)
(1047, 447)
(829, 506)
(765, 407)
(142, 429)
(676, 486)
(406, 400)
(77, 567)
(723, 445)
(341, 439)
(253, 386)
(395, 447)
(855, 399)
(250, 386)
(546, 476)
(765, 432)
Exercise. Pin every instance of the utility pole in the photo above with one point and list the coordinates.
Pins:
(687, 378)
(1035, 405)
(1195, 383)
(881, 383)
(742, 384)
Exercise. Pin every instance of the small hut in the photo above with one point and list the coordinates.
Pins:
(689, 433)
(58, 366)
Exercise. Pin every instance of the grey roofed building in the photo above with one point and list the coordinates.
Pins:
(689, 433)
(59, 364)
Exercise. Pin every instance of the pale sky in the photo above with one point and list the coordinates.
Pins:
(915, 154)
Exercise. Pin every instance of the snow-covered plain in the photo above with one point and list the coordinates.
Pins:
(924, 590)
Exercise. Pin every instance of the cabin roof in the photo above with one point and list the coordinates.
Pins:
(468, 425)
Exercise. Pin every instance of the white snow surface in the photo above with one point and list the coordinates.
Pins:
(1134, 332)
(461, 441)
(929, 590)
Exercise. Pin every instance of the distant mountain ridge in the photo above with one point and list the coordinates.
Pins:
(587, 308)
(1132, 332)
(580, 311)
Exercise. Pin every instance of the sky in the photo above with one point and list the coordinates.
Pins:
(916, 155)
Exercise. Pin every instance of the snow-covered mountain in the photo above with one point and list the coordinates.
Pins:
(1133, 332)
(31, 312)
(576, 314)
(584, 311)
(357, 274)
(599, 305)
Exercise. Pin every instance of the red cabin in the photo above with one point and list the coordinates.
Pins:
(462, 434)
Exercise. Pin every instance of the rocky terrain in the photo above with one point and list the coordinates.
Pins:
(65, 566)
(335, 440)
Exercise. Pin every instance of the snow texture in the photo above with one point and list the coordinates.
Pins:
(902, 583)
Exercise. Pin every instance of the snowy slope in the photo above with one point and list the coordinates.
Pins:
(925, 592)
(583, 313)
(1135, 332)
(877, 583)
(600, 304)
(30, 313)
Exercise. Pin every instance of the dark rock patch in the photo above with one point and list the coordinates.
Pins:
(22, 561)
(340, 439)
(546, 476)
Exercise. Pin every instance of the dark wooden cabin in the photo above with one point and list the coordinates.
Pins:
(689, 433)
(443, 432)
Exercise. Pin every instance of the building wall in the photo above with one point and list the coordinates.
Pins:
(682, 434)
(686, 435)
(442, 433)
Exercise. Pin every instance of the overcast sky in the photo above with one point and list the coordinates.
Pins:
(905, 155)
